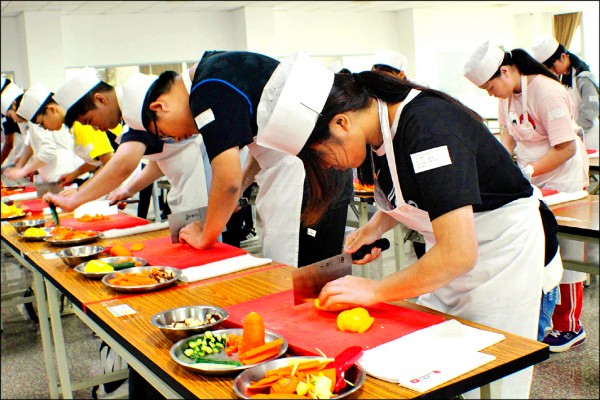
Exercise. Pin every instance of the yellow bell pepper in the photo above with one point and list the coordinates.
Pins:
(354, 320)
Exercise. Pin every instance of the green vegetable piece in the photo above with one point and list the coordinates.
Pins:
(123, 265)
(188, 352)
(212, 361)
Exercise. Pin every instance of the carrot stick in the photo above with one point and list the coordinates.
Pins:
(275, 344)
(261, 357)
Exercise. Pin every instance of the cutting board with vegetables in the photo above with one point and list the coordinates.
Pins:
(115, 221)
(305, 327)
(162, 252)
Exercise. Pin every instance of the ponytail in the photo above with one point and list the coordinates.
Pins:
(526, 64)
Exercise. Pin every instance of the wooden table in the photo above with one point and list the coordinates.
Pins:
(147, 350)
(578, 220)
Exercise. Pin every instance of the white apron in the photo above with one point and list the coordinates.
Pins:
(182, 165)
(504, 289)
(570, 177)
(279, 202)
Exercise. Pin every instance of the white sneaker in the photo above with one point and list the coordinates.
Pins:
(250, 237)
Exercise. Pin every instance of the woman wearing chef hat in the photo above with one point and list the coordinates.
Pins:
(581, 83)
(53, 153)
(223, 106)
(438, 171)
(536, 113)
(91, 145)
(391, 62)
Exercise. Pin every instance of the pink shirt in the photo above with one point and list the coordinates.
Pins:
(549, 106)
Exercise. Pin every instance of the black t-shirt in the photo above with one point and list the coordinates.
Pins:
(481, 172)
(225, 93)
(153, 144)
(9, 126)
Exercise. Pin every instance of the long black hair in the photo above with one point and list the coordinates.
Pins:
(526, 64)
(350, 92)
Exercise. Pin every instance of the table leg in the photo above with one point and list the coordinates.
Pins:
(59, 341)
(491, 390)
(42, 311)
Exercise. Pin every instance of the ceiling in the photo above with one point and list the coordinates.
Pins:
(14, 8)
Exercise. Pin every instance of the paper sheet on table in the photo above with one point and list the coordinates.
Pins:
(431, 356)
(21, 196)
(563, 197)
(114, 233)
(594, 154)
(100, 207)
(223, 267)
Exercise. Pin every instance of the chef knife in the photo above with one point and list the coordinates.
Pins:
(181, 219)
(308, 281)
(45, 187)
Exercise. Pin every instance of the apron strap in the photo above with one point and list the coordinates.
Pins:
(387, 140)
(524, 97)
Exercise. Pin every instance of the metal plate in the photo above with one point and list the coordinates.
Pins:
(141, 288)
(363, 192)
(121, 259)
(354, 374)
(73, 242)
(219, 369)
(36, 238)
(80, 268)
(14, 217)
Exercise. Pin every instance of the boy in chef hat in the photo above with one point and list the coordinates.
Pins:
(91, 101)
(390, 61)
(93, 146)
(53, 153)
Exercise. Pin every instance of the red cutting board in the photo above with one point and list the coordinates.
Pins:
(162, 252)
(116, 221)
(548, 192)
(305, 327)
(34, 206)
(24, 189)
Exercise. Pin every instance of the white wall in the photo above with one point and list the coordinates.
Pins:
(436, 42)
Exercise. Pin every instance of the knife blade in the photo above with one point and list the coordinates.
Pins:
(181, 219)
(308, 281)
(45, 187)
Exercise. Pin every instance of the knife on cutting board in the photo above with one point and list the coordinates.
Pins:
(181, 219)
(308, 281)
(45, 187)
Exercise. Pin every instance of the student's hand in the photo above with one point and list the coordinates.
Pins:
(360, 237)
(192, 234)
(14, 173)
(66, 203)
(67, 179)
(68, 192)
(118, 194)
(348, 290)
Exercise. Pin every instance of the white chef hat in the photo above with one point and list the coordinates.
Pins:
(291, 102)
(391, 58)
(77, 87)
(9, 95)
(33, 99)
(543, 48)
(131, 99)
(335, 67)
(483, 63)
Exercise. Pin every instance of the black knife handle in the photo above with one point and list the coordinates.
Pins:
(383, 244)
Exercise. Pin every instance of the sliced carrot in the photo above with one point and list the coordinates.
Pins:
(275, 344)
(261, 357)
(264, 382)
